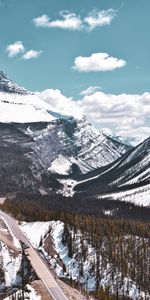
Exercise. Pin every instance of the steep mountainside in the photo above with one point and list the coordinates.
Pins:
(37, 140)
(75, 140)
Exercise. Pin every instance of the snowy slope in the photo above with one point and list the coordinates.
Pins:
(22, 109)
(136, 164)
(139, 196)
(19, 105)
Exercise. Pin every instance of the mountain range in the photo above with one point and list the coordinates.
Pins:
(42, 149)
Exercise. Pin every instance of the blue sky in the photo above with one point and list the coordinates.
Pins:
(127, 37)
(56, 55)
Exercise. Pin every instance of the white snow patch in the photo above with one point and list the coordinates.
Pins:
(108, 212)
(36, 231)
(11, 266)
(61, 165)
(68, 186)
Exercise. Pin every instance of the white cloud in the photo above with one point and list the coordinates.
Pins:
(98, 62)
(90, 90)
(62, 104)
(15, 49)
(42, 21)
(114, 109)
(100, 18)
(125, 115)
(72, 21)
(18, 48)
(69, 21)
(31, 54)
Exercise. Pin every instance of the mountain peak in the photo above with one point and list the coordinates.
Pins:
(9, 86)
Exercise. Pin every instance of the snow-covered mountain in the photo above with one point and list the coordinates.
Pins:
(47, 141)
(127, 179)
(135, 168)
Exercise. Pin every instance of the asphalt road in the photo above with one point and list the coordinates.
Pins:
(37, 262)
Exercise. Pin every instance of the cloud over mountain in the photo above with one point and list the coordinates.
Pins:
(125, 114)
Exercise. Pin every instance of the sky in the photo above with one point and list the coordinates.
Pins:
(89, 56)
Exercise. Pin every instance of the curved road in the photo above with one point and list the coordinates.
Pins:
(36, 261)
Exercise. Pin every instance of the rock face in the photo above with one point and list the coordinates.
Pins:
(38, 142)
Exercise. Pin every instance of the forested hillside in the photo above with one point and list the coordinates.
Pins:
(110, 251)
